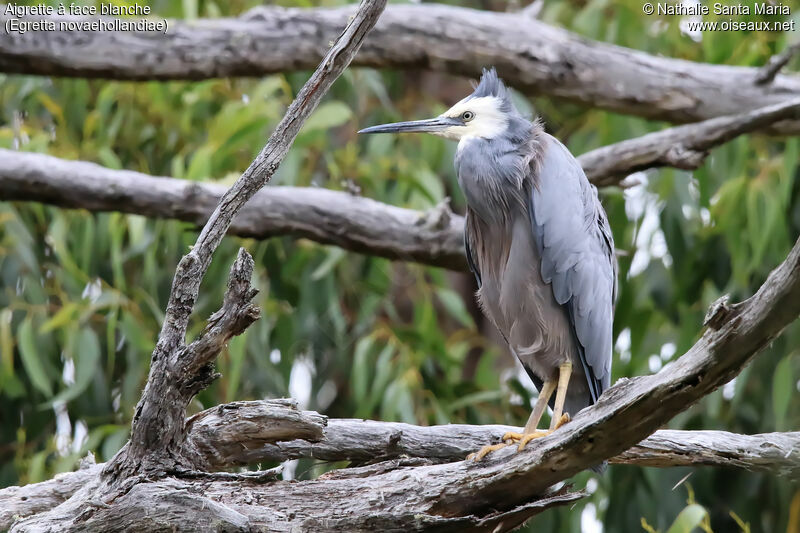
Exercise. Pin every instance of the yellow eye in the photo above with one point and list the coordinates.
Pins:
(466, 116)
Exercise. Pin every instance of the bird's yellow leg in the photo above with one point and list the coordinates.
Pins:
(559, 419)
(536, 415)
(564, 373)
(530, 431)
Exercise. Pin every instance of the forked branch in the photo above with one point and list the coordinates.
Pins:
(177, 371)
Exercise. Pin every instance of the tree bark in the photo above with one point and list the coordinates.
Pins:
(329, 217)
(532, 56)
(241, 433)
(160, 480)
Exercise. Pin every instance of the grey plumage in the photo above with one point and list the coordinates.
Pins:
(541, 248)
(537, 240)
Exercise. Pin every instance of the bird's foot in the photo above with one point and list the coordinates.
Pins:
(561, 421)
(522, 439)
(539, 433)
(486, 450)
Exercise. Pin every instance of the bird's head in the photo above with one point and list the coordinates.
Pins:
(485, 113)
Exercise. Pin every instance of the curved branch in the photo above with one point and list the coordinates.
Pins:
(532, 56)
(330, 217)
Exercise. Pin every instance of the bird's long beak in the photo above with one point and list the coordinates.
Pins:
(431, 125)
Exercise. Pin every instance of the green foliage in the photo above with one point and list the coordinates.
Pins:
(82, 295)
(695, 517)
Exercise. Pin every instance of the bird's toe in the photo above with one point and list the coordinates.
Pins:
(486, 450)
(563, 420)
(539, 433)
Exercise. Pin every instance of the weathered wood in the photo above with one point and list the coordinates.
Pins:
(275, 430)
(245, 433)
(684, 147)
(773, 453)
(530, 55)
(40, 497)
(776, 63)
(370, 441)
(153, 483)
(221, 437)
(330, 217)
(177, 371)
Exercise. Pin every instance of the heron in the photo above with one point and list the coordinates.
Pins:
(539, 244)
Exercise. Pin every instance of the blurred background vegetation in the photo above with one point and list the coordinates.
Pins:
(82, 295)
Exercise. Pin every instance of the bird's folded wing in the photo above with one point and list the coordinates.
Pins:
(574, 239)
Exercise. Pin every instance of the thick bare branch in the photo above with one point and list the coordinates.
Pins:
(275, 430)
(773, 453)
(683, 147)
(245, 433)
(330, 217)
(222, 436)
(178, 372)
(532, 56)
(40, 497)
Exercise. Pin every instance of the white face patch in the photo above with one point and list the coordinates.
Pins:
(488, 120)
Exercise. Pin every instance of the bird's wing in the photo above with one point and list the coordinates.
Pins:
(471, 260)
(574, 240)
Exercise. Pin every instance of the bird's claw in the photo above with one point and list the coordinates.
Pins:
(486, 450)
(523, 439)
(561, 421)
(539, 433)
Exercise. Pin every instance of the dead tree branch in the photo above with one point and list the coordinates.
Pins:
(684, 147)
(776, 63)
(330, 217)
(160, 470)
(177, 371)
(533, 57)
(242, 433)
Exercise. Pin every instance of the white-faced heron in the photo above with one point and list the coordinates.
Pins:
(539, 244)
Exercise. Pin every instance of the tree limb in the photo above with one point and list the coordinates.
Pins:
(684, 147)
(415, 497)
(242, 433)
(139, 489)
(531, 56)
(776, 63)
(177, 371)
(330, 217)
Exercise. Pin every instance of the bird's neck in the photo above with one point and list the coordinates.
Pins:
(496, 174)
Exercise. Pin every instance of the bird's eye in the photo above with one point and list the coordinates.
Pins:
(466, 116)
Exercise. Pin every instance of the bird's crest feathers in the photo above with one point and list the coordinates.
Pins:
(491, 85)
